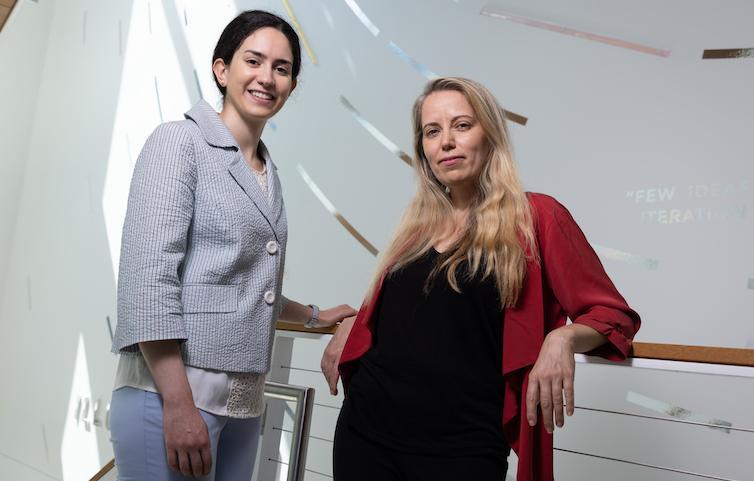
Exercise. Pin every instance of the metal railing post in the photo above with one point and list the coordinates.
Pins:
(304, 399)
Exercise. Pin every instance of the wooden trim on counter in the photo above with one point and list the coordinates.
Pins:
(296, 327)
(641, 350)
(706, 354)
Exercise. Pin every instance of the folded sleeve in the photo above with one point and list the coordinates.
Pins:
(154, 242)
(580, 284)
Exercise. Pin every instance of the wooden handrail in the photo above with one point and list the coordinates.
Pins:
(105, 469)
(706, 354)
(6, 8)
(641, 350)
(293, 326)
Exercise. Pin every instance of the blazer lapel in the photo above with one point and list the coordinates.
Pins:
(217, 134)
(211, 126)
(245, 179)
(273, 183)
(276, 194)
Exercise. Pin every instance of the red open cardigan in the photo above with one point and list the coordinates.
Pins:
(569, 281)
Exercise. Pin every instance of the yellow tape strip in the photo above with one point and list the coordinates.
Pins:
(300, 31)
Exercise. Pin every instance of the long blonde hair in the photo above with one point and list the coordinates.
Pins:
(500, 228)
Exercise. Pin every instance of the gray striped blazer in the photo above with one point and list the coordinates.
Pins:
(203, 248)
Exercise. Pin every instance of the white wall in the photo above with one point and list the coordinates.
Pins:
(22, 56)
(59, 284)
(606, 125)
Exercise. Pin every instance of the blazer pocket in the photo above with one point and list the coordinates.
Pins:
(199, 298)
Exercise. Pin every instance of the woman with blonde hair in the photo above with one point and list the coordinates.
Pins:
(461, 349)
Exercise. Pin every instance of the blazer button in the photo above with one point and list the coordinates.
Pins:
(272, 247)
(269, 297)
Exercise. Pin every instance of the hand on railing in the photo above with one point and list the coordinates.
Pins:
(334, 349)
(330, 317)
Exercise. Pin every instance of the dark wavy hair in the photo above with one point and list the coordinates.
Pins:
(244, 25)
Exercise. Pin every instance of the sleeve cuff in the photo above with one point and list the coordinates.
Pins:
(131, 343)
(617, 347)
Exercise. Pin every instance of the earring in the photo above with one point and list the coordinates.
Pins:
(447, 189)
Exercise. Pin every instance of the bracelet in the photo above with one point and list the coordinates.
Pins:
(314, 321)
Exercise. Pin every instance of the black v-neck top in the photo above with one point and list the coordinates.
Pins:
(432, 381)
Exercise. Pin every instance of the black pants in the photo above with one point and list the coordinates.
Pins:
(356, 458)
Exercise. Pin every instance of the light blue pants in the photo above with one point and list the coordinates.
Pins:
(139, 443)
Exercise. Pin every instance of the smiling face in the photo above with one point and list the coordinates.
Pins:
(258, 79)
(453, 141)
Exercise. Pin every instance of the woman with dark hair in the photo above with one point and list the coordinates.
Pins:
(200, 279)
(461, 349)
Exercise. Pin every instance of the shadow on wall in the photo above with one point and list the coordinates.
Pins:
(60, 287)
